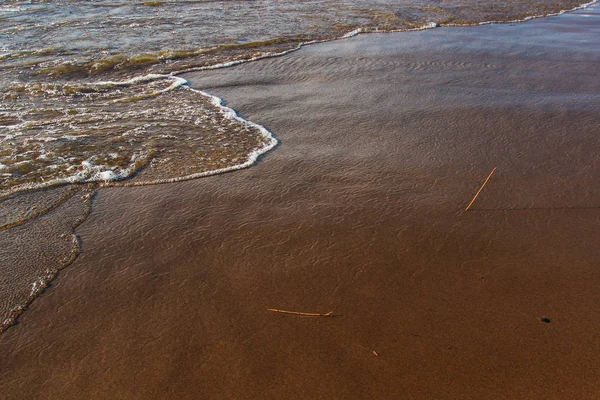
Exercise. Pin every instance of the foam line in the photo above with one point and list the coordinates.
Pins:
(358, 31)
(89, 174)
(105, 177)
(232, 115)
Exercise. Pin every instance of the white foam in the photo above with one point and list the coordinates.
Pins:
(177, 82)
(272, 141)
(107, 176)
(96, 174)
(238, 62)
(132, 81)
(355, 32)
(89, 173)
(529, 18)
(250, 160)
(352, 33)
(38, 286)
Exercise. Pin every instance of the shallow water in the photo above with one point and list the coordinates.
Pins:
(89, 95)
(57, 124)
(360, 210)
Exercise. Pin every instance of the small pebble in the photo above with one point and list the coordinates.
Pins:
(545, 320)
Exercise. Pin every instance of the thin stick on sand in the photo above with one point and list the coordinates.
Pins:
(480, 189)
(329, 314)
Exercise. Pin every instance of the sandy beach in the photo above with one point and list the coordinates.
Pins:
(384, 140)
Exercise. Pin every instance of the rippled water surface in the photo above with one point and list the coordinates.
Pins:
(90, 93)
(384, 140)
(58, 123)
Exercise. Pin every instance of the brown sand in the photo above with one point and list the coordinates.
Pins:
(360, 211)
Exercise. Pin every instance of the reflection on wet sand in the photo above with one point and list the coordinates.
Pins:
(359, 211)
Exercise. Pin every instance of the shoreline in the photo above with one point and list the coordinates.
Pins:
(231, 114)
(125, 176)
(359, 212)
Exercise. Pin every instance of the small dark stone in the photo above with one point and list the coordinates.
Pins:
(545, 320)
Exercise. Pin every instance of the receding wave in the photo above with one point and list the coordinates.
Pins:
(153, 127)
(102, 102)
(61, 123)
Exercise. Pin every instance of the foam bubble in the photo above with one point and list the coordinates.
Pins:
(81, 126)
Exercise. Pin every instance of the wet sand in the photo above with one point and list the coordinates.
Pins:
(359, 211)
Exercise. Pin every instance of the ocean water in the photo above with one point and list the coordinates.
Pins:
(90, 95)
(384, 140)
(89, 92)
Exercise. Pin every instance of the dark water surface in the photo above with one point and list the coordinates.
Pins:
(384, 139)
(87, 91)
(91, 94)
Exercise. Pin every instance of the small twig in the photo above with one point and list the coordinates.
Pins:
(480, 189)
(329, 314)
